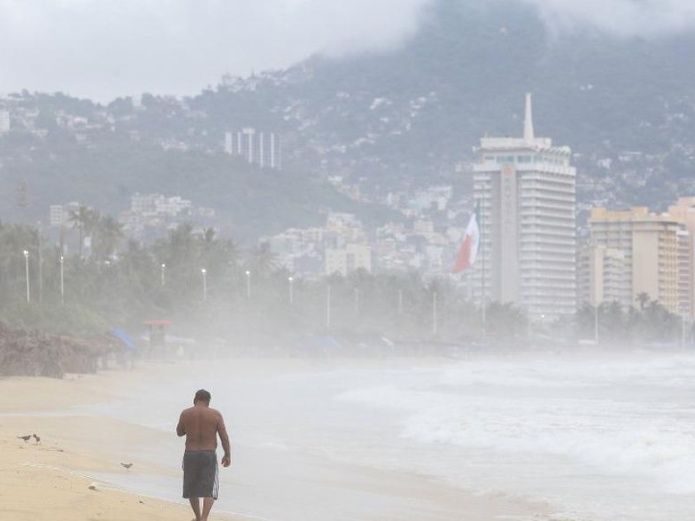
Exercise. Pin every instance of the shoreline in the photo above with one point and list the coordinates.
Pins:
(75, 446)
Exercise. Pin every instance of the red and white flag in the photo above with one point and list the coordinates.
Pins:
(469, 248)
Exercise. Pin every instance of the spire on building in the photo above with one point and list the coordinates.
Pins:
(528, 120)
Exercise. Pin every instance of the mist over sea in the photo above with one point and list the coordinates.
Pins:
(601, 437)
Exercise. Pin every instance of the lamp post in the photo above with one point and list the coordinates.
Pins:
(290, 280)
(40, 260)
(435, 326)
(162, 274)
(248, 284)
(328, 308)
(204, 273)
(62, 280)
(26, 273)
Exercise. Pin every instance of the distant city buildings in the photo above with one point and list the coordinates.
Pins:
(526, 190)
(348, 259)
(432, 199)
(151, 205)
(59, 214)
(636, 252)
(603, 275)
(151, 214)
(350, 190)
(343, 245)
(258, 148)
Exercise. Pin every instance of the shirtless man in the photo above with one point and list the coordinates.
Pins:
(201, 425)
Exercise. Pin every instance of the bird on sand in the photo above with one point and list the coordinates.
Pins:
(38, 440)
(25, 438)
(126, 465)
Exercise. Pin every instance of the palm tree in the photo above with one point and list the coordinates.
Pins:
(84, 219)
(642, 299)
(506, 321)
(209, 236)
(261, 261)
(108, 234)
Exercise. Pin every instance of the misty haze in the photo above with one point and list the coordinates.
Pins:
(404, 260)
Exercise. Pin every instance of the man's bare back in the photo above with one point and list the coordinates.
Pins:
(201, 424)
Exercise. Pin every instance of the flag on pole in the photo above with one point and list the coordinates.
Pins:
(469, 247)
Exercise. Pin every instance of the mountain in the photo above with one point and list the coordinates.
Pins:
(383, 121)
(62, 150)
(625, 105)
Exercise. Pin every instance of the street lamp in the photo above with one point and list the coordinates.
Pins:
(435, 325)
(328, 308)
(291, 289)
(40, 260)
(248, 284)
(26, 270)
(204, 273)
(162, 274)
(62, 280)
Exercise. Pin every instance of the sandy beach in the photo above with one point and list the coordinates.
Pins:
(52, 479)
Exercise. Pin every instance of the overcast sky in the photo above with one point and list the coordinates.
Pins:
(105, 48)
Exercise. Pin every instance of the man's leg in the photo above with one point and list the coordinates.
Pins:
(207, 506)
(195, 505)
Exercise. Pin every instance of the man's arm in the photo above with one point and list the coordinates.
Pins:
(224, 438)
(181, 427)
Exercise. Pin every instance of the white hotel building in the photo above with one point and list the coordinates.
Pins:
(526, 191)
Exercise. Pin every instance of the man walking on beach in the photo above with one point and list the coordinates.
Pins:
(201, 425)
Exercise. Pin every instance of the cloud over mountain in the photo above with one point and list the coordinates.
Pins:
(106, 49)
(620, 17)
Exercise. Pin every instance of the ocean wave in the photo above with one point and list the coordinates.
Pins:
(533, 409)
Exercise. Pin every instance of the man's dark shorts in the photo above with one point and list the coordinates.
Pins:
(200, 474)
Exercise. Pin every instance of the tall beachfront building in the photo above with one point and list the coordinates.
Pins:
(656, 250)
(604, 274)
(526, 191)
(683, 210)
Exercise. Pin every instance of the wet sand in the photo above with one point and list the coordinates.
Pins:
(51, 479)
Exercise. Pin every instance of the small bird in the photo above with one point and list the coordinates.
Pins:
(25, 438)
(38, 440)
(126, 465)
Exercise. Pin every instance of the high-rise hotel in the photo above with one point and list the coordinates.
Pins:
(526, 191)
(637, 252)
